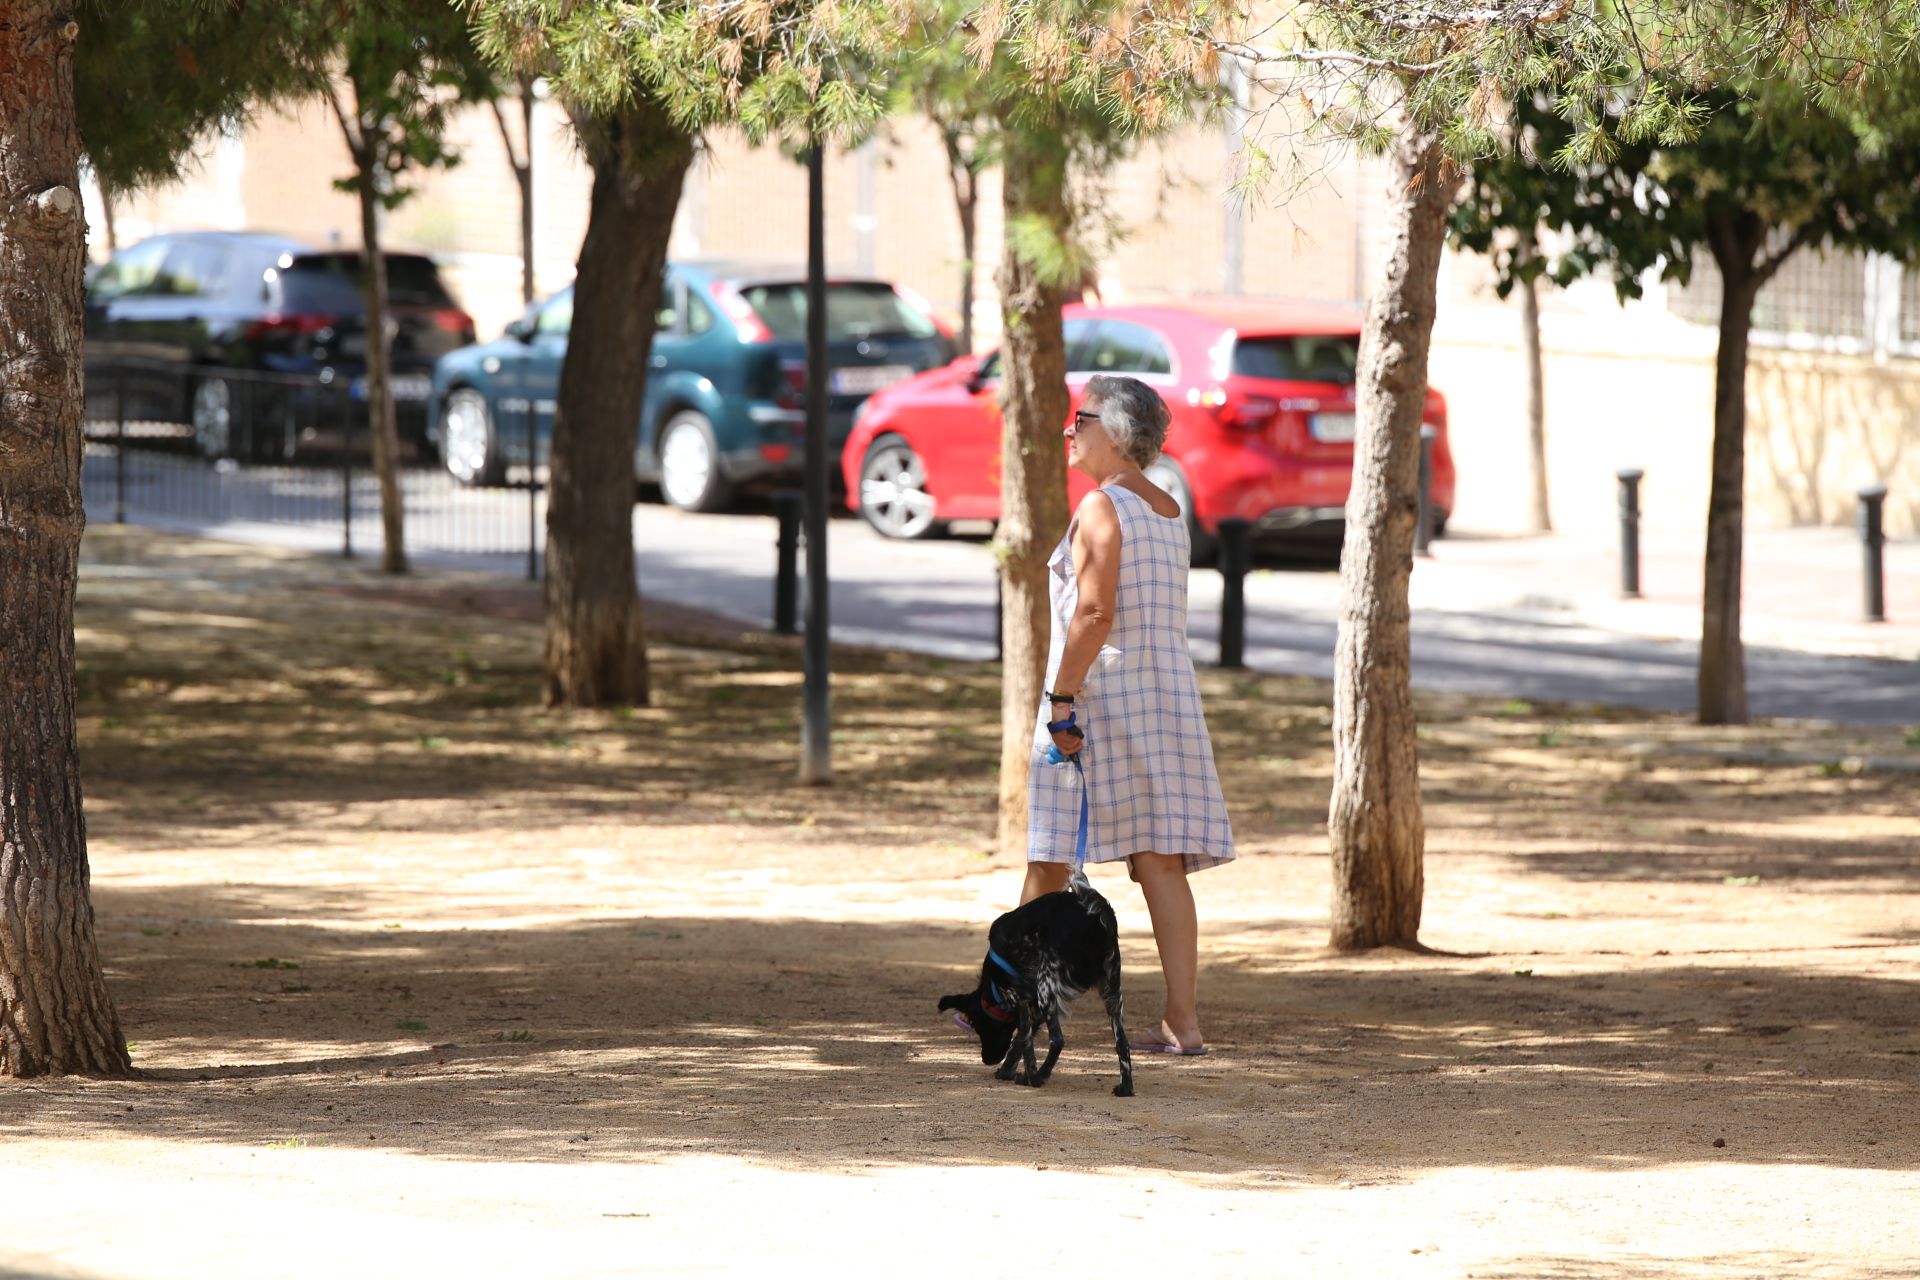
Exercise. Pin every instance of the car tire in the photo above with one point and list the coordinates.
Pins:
(690, 476)
(1171, 476)
(469, 445)
(893, 494)
(213, 418)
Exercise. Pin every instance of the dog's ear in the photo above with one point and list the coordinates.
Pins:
(952, 1002)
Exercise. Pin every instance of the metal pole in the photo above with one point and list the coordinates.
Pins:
(787, 506)
(1630, 532)
(816, 754)
(1236, 537)
(533, 483)
(1873, 539)
(346, 470)
(119, 444)
(1423, 531)
(999, 613)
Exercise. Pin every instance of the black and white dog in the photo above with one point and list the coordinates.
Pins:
(1039, 957)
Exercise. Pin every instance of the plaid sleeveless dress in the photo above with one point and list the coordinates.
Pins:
(1148, 763)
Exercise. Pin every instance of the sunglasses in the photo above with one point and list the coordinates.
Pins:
(1085, 416)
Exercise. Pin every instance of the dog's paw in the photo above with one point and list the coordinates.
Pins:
(1023, 1078)
(1003, 1074)
(1123, 1091)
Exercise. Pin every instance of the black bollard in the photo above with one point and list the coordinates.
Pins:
(1423, 531)
(1630, 532)
(119, 445)
(1873, 541)
(787, 504)
(999, 614)
(1236, 537)
(346, 471)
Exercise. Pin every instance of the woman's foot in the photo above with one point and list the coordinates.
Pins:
(1162, 1039)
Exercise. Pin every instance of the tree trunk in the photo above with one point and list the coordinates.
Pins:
(1540, 517)
(523, 173)
(596, 648)
(1374, 819)
(966, 200)
(1033, 476)
(1722, 687)
(106, 216)
(382, 428)
(55, 1014)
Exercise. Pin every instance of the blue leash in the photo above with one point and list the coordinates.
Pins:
(1056, 756)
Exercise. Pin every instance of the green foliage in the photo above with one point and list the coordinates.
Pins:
(154, 78)
(409, 65)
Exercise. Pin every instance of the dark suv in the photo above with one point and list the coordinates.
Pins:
(175, 321)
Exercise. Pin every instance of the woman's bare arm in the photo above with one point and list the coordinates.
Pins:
(1096, 571)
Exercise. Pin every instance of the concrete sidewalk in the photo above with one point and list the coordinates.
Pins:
(1802, 588)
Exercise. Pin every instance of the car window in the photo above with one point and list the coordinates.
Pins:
(699, 314)
(1310, 357)
(130, 271)
(667, 318)
(1120, 347)
(412, 280)
(556, 318)
(194, 268)
(854, 311)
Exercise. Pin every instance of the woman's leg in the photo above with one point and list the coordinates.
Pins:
(1043, 878)
(1176, 931)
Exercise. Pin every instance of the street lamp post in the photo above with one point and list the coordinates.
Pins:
(816, 752)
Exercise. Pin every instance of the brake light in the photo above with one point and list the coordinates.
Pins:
(453, 320)
(1249, 413)
(299, 324)
(737, 309)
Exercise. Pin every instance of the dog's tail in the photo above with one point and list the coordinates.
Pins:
(1078, 882)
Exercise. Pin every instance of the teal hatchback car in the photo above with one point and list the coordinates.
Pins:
(725, 395)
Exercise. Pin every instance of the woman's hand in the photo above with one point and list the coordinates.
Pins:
(1068, 743)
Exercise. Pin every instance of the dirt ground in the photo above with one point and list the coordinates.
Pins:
(422, 976)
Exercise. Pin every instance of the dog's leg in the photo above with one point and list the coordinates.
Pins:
(1021, 1047)
(1116, 1014)
(1056, 1041)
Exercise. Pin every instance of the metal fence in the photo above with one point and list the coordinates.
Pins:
(234, 452)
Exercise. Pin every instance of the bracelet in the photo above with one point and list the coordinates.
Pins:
(1060, 697)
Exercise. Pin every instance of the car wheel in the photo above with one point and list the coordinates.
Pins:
(469, 448)
(690, 476)
(893, 490)
(1169, 475)
(213, 418)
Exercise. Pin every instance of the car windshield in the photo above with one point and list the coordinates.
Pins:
(332, 282)
(854, 311)
(1312, 357)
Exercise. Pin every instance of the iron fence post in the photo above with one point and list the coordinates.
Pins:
(1873, 541)
(119, 444)
(346, 471)
(1630, 478)
(1423, 530)
(533, 488)
(1235, 554)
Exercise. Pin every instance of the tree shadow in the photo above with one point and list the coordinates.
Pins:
(802, 1041)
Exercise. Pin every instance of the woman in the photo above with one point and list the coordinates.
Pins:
(1119, 663)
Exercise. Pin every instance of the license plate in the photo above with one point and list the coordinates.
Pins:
(865, 379)
(1331, 428)
(406, 386)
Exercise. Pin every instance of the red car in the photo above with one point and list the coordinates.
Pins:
(1262, 400)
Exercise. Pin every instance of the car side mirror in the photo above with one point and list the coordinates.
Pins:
(520, 330)
(975, 374)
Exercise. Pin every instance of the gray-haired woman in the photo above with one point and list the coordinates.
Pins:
(1120, 664)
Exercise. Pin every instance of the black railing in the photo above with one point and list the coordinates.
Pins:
(219, 450)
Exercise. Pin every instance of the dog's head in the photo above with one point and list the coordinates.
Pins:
(992, 1022)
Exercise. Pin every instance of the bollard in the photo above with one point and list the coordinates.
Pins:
(1236, 538)
(1873, 541)
(1423, 531)
(1630, 532)
(787, 504)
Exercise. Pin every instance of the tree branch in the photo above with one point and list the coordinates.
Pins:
(1772, 262)
(356, 141)
(506, 139)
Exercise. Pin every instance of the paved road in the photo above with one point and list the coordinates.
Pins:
(1522, 619)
